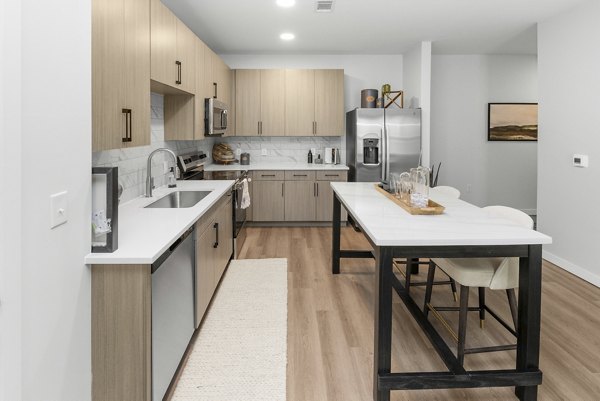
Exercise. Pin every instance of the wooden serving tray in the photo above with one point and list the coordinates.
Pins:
(432, 209)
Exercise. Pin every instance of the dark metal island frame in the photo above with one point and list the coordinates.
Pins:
(462, 231)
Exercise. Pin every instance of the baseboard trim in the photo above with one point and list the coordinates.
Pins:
(572, 268)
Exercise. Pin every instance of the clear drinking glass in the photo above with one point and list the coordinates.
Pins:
(405, 187)
(420, 181)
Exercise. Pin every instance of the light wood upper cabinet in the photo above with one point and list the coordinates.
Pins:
(247, 102)
(173, 50)
(272, 102)
(299, 102)
(329, 102)
(186, 56)
(120, 74)
(164, 44)
(201, 94)
(260, 102)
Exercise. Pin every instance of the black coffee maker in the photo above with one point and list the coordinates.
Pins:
(371, 151)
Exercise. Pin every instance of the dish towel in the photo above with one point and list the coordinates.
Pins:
(245, 195)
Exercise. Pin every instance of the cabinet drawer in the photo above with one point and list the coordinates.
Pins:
(207, 218)
(332, 175)
(266, 175)
(299, 175)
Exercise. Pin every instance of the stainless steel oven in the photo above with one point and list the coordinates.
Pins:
(215, 119)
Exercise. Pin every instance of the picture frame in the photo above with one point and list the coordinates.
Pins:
(512, 122)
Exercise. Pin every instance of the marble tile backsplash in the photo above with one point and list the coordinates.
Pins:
(132, 161)
(282, 149)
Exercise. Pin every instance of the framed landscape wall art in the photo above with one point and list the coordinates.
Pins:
(513, 122)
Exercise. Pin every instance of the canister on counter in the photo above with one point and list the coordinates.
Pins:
(368, 98)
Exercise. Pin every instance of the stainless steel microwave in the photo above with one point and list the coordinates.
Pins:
(215, 118)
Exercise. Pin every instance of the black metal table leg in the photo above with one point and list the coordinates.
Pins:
(335, 240)
(529, 309)
(382, 354)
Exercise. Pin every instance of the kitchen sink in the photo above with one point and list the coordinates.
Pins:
(179, 199)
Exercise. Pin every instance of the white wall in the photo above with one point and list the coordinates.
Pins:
(417, 91)
(10, 201)
(569, 65)
(486, 173)
(49, 121)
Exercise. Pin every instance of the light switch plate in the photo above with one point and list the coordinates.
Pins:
(263, 152)
(238, 152)
(580, 160)
(58, 209)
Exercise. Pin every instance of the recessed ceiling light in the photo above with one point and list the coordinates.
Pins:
(287, 36)
(286, 3)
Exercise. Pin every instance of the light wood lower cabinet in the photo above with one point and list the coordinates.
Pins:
(300, 200)
(268, 202)
(122, 310)
(121, 332)
(325, 202)
(294, 196)
(205, 272)
(214, 248)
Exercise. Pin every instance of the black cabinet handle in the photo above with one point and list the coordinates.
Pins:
(317, 188)
(128, 125)
(178, 82)
(332, 175)
(300, 175)
(267, 175)
(282, 186)
(215, 86)
(258, 128)
(216, 227)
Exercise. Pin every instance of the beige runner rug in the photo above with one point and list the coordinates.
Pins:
(240, 353)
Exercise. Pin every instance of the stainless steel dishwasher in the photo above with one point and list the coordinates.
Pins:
(172, 310)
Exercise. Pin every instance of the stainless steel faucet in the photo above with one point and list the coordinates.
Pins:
(149, 179)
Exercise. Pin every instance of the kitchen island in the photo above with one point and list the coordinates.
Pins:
(463, 230)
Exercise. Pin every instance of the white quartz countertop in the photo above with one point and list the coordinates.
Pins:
(462, 223)
(274, 166)
(144, 234)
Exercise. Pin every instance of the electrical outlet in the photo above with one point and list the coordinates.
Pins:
(238, 152)
(263, 152)
(165, 167)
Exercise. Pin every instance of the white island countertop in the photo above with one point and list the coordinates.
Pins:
(145, 234)
(274, 166)
(462, 223)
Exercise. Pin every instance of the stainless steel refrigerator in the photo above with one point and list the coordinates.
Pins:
(382, 141)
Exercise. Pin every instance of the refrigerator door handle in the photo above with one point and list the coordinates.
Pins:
(384, 154)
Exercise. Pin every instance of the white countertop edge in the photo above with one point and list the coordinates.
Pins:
(542, 239)
(149, 257)
(274, 166)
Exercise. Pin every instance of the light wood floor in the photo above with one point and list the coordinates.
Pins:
(330, 326)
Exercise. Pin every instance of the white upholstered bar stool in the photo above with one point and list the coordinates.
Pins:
(444, 191)
(492, 273)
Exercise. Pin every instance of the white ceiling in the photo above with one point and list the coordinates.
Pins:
(369, 26)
